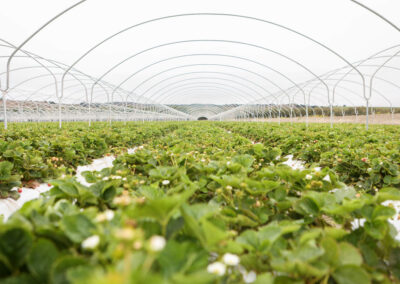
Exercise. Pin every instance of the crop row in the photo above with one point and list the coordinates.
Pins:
(203, 204)
(368, 160)
(32, 153)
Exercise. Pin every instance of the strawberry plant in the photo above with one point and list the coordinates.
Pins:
(197, 203)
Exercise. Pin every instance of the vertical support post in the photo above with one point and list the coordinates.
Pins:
(307, 103)
(59, 113)
(367, 114)
(38, 113)
(89, 112)
(4, 97)
(306, 115)
(279, 114)
(109, 113)
(125, 116)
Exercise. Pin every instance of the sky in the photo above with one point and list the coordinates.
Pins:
(207, 58)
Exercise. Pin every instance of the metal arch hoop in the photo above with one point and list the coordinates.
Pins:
(210, 72)
(237, 42)
(241, 43)
(4, 91)
(217, 14)
(205, 84)
(226, 15)
(181, 56)
(34, 34)
(271, 94)
(364, 85)
(199, 87)
(204, 78)
(377, 14)
(195, 90)
(189, 55)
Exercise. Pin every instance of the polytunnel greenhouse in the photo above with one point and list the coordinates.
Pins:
(199, 142)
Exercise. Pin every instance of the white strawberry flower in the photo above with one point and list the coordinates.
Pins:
(216, 268)
(106, 178)
(249, 277)
(317, 169)
(231, 259)
(369, 170)
(327, 178)
(165, 182)
(109, 215)
(308, 177)
(91, 242)
(157, 243)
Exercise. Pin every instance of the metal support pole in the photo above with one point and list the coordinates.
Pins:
(377, 14)
(59, 113)
(25, 42)
(4, 97)
(367, 114)
(89, 113)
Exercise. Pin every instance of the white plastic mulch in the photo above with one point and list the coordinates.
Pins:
(9, 206)
(96, 165)
(394, 220)
(299, 165)
(294, 164)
